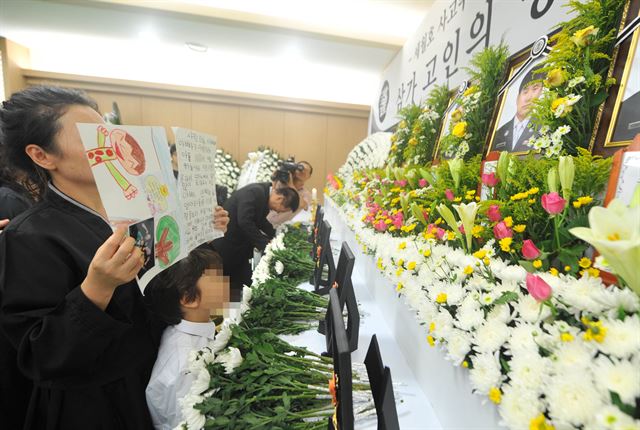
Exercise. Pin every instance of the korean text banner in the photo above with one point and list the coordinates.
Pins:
(451, 33)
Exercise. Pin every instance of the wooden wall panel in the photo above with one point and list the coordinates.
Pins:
(130, 106)
(166, 112)
(343, 134)
(260, 127)
(306, 139)
(220, 121)
(14, 58)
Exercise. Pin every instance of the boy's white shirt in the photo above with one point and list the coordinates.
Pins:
(170, 379)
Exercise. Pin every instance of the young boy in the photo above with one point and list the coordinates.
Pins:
(184, 296)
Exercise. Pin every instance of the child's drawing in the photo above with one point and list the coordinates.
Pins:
(167, 240)
(126, 151)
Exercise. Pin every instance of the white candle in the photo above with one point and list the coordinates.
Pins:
(314, 194)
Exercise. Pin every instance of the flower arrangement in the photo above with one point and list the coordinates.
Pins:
(371, 153)
(470, 121)
(227, 170)
(259, 166)
(577, 80)
(415, 137)
(550, 349)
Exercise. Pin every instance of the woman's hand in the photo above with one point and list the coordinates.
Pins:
(115, 263)
(220, 219)
(3, 223)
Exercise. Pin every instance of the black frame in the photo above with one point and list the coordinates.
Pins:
(341, 366)
(347, 296)
(381, 388)
(323, 285)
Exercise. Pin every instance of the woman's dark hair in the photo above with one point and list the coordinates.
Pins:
(164, 292)
(31, 116)
(13, 179)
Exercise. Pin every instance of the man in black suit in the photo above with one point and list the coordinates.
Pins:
(628, 121)
(248, 228)
(514, 135)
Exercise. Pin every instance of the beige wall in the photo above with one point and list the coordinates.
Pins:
(321, 133)
(322, 139)
(14, 58)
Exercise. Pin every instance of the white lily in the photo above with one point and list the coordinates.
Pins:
(467, 213)
(615, 232)
(447, 215)
(566, 171)
(455, 167)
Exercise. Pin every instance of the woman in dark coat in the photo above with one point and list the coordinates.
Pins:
(69, 302)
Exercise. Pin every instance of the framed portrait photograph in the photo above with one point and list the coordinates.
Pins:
(620, 120)
(511, 129)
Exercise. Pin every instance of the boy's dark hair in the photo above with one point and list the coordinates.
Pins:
(31, 116)
(164, 292)
(291, 198)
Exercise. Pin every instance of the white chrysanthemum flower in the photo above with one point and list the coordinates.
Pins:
(222, 338)
(485, 373)
(572, 398)
(499, 314)
(574, 356)
(469, 315)
(519, 406)
(575, 81)
(523, 338)
(619, 376)
(230, 359)
(201, 383)
(194, 361)
(532, 311)
(443, 324)
(610, 417)
(529, 370)
(194, 418)
(490, 336)
(279, 267)
(622, 337)
(513, 274)
(458, 346)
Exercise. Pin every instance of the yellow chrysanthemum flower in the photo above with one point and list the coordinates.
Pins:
(520, 228)
(584, 262)
(460, 129)
(468, 270)
(441, 298)
(495, 395)
(537, 264)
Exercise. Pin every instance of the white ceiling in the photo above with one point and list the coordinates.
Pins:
(310, 52)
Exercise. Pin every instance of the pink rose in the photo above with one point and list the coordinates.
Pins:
(494, 213)
(380, 226)
(489, 179)
(461, 229)
(538, 289)
(423, 183)
(402, 183)
(529, 250)
(449, 194)
(553, 203)
(500, 231)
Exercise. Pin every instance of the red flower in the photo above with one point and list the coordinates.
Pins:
(449, 194)
(538, 289)
(553, 203)
(529, 250)
(494, 213)
(500, 231)
(490, 179)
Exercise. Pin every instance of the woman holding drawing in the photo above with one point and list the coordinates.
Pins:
(69, 302)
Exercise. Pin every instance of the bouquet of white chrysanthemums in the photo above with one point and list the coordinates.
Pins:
(227, 170)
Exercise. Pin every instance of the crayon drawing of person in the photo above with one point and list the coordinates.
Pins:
(123, 148)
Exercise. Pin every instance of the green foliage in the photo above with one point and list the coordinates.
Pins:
(581, 54)
(469, 126)
(417, 132)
